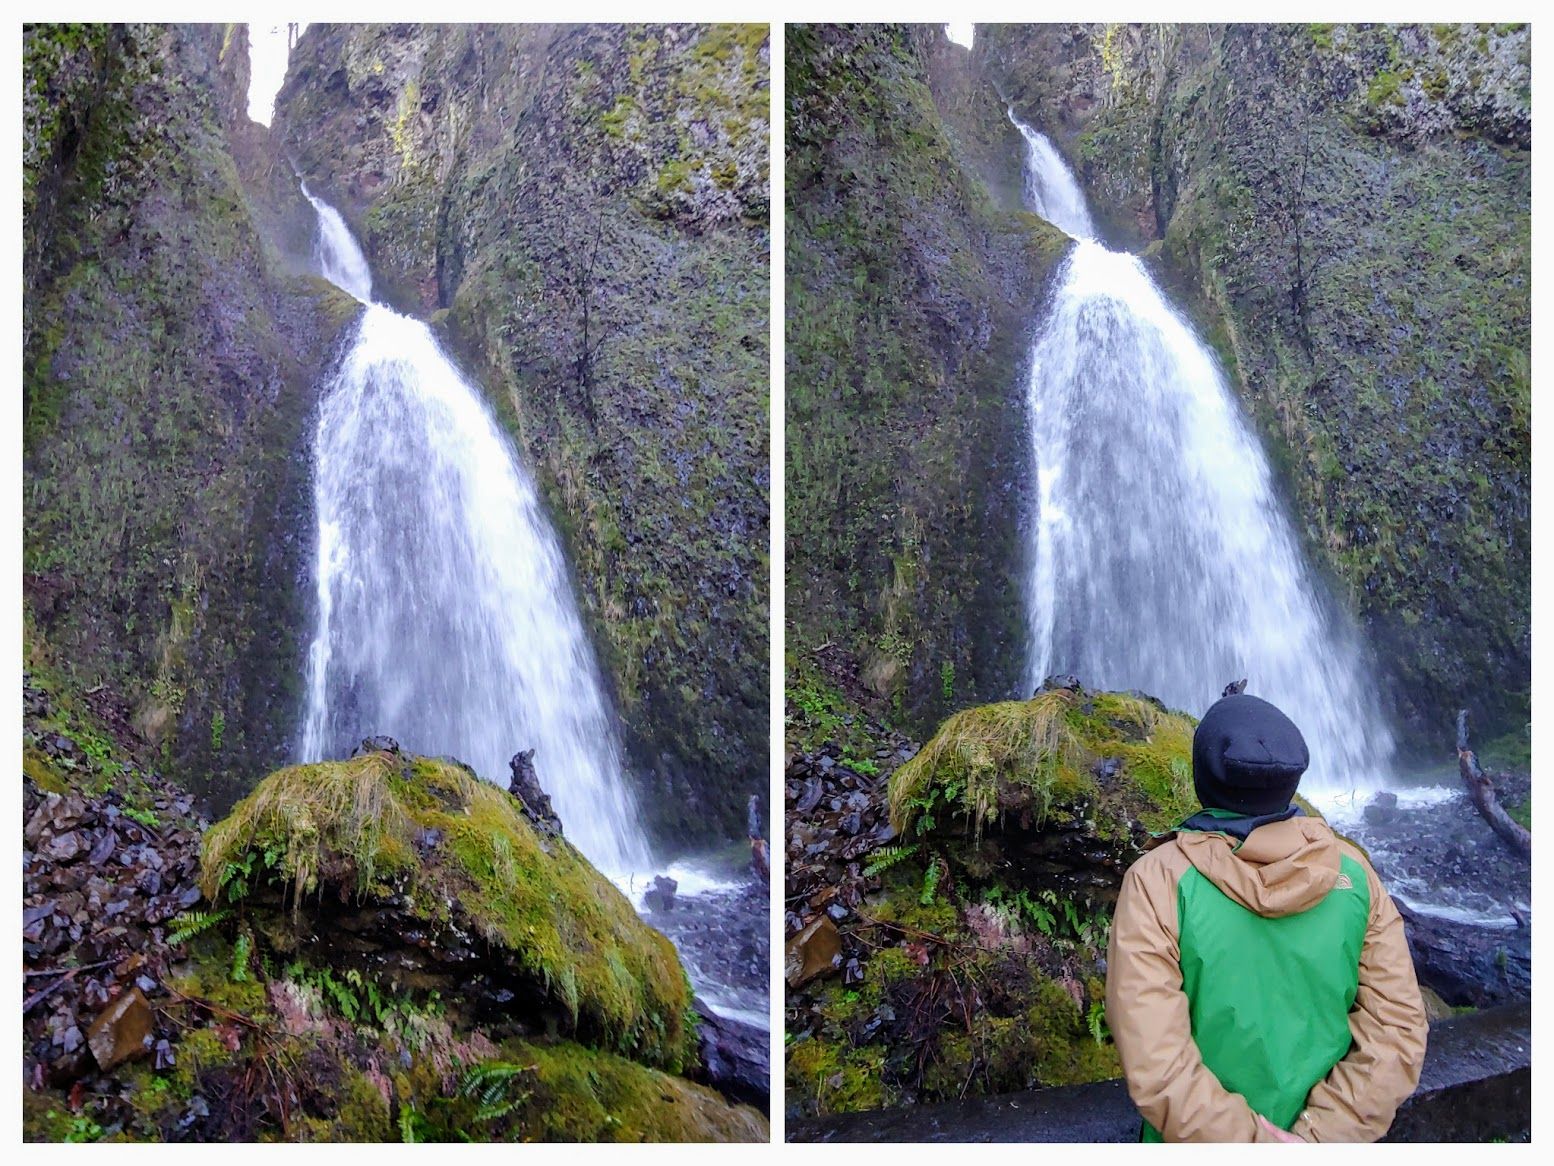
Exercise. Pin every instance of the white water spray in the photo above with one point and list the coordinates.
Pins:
(1163, 561)
(445, 614)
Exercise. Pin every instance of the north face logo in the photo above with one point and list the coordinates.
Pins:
(1343, 883)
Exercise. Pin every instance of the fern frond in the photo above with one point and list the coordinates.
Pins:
(888, 856)
(188, 924)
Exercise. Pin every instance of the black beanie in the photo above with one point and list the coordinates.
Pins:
(1247, 757)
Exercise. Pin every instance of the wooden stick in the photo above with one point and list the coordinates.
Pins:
(1482, 791)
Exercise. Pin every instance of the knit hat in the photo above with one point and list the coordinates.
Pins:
(1247, 757)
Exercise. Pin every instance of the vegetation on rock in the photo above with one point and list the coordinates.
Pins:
(911, 289)
(454, 857)
(973, 936)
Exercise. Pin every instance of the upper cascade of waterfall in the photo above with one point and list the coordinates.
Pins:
(1050, 189)
(339, 257)
(445, 614)
(1163, 561)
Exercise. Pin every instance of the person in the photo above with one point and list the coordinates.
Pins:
(1259, 985)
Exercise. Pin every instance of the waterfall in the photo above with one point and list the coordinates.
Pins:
(1163, 561)
(339, 258)
(445, 615)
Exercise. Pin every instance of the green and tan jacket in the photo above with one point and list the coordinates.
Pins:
(1267, 976)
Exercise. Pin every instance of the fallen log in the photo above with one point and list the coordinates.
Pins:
(1482, 791)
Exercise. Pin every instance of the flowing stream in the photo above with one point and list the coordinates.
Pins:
(1163, 561)
(445, 618)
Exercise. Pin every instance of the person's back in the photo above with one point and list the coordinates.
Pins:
(1258, 977)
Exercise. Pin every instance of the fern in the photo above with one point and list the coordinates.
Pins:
(887, 857)
(241, 948)
(930, 883)
(191, 923)
(492, 1086)
(1096, 1019)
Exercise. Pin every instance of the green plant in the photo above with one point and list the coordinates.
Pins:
(947, 680)
(1095, 1020)
(82, 1128)
(146, 818)
(188, 924)
(242, 948)
(931, 878)
(888, 856)
(494, 1086)
(864, 765)
(218, 728)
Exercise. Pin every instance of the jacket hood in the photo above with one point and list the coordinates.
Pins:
(1283, 868)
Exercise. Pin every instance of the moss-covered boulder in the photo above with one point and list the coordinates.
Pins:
(1063, 787)
(972, 948)
(416, 873)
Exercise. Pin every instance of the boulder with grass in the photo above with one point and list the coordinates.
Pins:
(416, 874)
(972, 961)
(1057, 791)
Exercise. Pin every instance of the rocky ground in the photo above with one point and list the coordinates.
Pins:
(931, 962)
(105, 876)
(378, 949)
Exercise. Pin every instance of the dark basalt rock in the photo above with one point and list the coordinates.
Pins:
(660, 896)
(525, 786)
(1468, 965)
(734, 1058)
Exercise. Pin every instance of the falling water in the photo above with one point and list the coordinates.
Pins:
(445, 615)
(1163, 561)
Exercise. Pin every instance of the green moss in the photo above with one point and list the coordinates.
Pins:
(1039, 753)
(1385, 89)
(833, 1078)
(352, 825)
(44, 775)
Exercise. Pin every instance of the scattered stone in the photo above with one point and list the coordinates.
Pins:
(1383, 809)
(660, 896)
(123, 1031)
(815, 951)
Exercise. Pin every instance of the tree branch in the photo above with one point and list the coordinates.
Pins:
(1482, 791)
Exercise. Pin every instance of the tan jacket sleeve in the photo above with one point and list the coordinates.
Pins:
(1147, 1011)
(1358, 1099)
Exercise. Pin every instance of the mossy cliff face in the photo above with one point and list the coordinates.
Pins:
(971, 947)
(1346, 211)
(169, 364)
(912, 279)
(583, 212)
